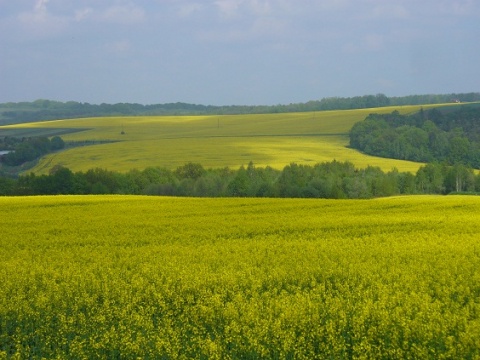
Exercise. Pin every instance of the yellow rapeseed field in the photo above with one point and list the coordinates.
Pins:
(128, 277)
(214, 141)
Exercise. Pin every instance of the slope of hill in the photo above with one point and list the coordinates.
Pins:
(39, 110)
(124, 143)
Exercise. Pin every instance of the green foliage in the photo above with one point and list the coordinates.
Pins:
(451, 136)
(28, 149)
(7, 186)
(336, 180)
(190, 171)
(56, 143)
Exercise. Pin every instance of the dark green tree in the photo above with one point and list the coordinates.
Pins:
(189, 171)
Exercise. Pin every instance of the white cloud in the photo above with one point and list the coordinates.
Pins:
(228, 8)
(387, 10)
(461, 7)
(267, 26)
(252, 29)
(333, 4)
(124, 14)
(83, 14)
(121, 46)
(40, 22)
(373, 41)
(41, 6)
(127, 14)
(187, 10)
(260, 7)
(369, 42)
(53, 19)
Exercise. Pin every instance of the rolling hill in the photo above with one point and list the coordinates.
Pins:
(125, 143)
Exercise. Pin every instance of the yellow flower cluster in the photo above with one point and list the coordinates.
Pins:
(156, 278)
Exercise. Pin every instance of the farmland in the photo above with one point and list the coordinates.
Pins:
(214, 141)
(150, 277)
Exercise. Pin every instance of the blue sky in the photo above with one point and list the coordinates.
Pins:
(244, 52)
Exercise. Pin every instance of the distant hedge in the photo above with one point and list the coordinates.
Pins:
(336, 180)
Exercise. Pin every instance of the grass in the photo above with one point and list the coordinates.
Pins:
(214, 141)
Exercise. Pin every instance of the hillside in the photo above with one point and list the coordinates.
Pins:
(40, 110)
(276, 140)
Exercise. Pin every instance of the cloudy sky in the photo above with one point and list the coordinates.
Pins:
(222, 52)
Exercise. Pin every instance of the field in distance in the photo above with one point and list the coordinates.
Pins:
(275, 140)
(181, 278)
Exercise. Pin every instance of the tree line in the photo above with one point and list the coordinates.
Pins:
(11, 113)
(335, 180)
(26, 149)
(450, 135)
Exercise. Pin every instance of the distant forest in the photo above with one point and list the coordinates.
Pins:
(450, 135)
(39, 110)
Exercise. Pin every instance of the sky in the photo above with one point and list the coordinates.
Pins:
(236, 52)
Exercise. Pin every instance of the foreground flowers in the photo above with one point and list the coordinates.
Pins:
(129, 277)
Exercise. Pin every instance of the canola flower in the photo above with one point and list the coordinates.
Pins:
(178, 278)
